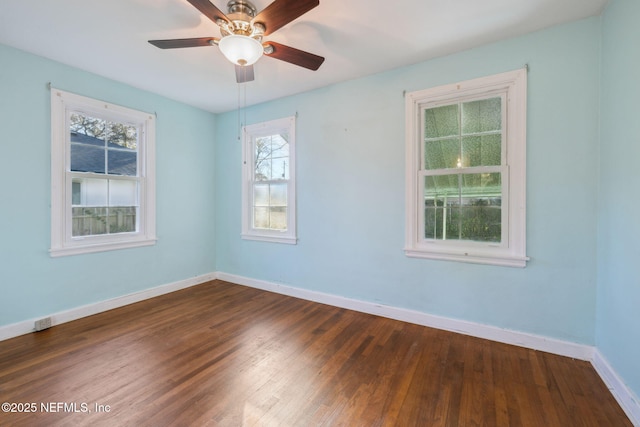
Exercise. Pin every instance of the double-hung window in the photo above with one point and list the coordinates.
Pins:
(102, 176)
(466, 171)
(268, 190)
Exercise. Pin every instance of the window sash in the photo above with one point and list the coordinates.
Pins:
(269, 206)
(425, 106)
(504, 196)
(72, 177)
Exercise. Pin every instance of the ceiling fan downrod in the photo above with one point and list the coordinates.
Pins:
(241, 6)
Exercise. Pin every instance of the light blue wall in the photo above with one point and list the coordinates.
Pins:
(350, 146)
(31, 283)
(618, 320)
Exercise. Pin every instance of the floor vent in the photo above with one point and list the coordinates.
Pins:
(43, 324)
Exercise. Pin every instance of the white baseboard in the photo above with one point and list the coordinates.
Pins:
(626, 398)
(27, 326)
(522, 339)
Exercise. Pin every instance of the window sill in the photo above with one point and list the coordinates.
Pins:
(499, 260)
(272, 239)
(101, 247)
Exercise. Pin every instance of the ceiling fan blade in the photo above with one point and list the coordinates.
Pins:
(178, 43)
(281, 12)
(295, 56)
(209, 10)
(244, 74)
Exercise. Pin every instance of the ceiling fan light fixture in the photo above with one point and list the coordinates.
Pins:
(241, 50)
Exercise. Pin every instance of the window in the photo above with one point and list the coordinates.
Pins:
(465, 183)
(102, 176)
(268, 191)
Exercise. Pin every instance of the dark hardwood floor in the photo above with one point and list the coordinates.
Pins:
(228, 355)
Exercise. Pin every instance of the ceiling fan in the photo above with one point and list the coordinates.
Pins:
(242, 31)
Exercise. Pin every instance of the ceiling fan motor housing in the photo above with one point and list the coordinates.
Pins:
(241, 12)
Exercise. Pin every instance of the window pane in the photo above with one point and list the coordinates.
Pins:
(261, 195)
(280, 157)
(280, 168)
(263, 169)
(123, 193)
(263, 159)
(278, 195)
(469, 211)
(482, 116)
(278, 218)
(89, 192)
(442, 153)
(480, 219)
(483, 150)
(122, 220)
(261, 217)
(122, 136)
(123, 162)
(87, 153)
(280, 145)
(82, 124)
(441, 121)
(88, 221)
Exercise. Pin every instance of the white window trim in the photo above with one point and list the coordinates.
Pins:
(250, 133)
(512, 251)
(62, 243)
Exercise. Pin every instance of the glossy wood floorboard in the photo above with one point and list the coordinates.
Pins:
(226, 355)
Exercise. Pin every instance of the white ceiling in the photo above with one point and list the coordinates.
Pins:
(357, 38)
